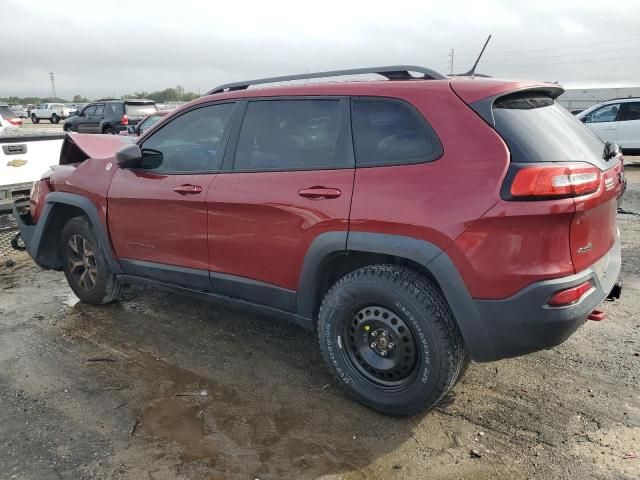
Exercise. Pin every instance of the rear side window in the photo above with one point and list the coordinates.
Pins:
(289, 135)
(537, 129)
(631, 111)
(388, 132)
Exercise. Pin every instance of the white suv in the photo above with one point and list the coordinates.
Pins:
(616, 121)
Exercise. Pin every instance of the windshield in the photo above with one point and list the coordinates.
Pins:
(140, 109)
(537, 129)
(149, 122)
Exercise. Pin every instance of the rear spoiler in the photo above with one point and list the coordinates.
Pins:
(484, 107)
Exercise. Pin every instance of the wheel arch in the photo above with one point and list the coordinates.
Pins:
(61, 207)
(334, 254)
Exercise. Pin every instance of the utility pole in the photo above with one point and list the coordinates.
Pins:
(451, 52)
(52, 77)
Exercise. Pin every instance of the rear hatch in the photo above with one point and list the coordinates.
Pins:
(562, 158)
(136, 111)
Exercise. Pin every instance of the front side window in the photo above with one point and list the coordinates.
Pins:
(289, 135)
(608, 113)
(631, 111)
(189, 143)
(388, 132)
(89, 111)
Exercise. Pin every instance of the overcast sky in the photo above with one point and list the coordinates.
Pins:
(116, 47)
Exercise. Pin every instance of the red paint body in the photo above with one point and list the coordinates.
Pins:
(257, 225)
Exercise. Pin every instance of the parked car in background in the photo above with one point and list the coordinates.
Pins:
(109, 116)
(54, 112)
(20, 111)
(616, 121)
(8, 119)
(145, 124)
(412, 223)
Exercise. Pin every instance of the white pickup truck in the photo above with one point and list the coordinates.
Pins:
(26, 155)
(54, 112)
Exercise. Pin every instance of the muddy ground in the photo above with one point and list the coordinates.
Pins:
(159, 387)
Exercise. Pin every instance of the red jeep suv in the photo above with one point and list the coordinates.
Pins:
(414, 222)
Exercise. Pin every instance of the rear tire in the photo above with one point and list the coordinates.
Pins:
(389, 337)
(55, 119)
(84, 264)
(34, 119)
(109, 131)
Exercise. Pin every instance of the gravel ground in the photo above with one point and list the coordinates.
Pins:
(160, 387)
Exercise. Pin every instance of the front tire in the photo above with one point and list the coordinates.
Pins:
(85, 266)
(389, 337)
(55, 119)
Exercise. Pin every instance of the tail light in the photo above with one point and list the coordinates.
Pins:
(124, 120)
(553, 181)
(569, 295)
(15, 121)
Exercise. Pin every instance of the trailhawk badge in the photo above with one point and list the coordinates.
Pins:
(585, 249)
(18, 162)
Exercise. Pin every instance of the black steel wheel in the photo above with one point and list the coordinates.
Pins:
(381, 346)
(389, 337)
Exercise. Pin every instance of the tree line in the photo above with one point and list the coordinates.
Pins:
(176, 94)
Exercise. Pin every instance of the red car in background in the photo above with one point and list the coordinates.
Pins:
(145, 124)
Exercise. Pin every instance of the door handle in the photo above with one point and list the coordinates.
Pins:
(187, 189)
(316, 193)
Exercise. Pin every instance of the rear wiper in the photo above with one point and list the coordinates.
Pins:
(610, 150)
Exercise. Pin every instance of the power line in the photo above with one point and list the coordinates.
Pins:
(593, 61)
(556, 48)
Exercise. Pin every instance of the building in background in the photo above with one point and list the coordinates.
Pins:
(582, 98)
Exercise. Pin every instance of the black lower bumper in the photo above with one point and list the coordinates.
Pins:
(525, 323)
(26, 227)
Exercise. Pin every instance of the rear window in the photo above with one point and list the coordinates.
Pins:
(389, 132)
(140, 109)
(7, 113)
(537, 129)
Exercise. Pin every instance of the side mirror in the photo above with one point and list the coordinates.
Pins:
(129, 156)
(584, 119)
(131, 129)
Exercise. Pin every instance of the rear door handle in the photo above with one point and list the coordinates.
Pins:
(317, 193)
(188, 189)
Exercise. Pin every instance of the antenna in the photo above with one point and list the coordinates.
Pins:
(451, 53)
(472, 72)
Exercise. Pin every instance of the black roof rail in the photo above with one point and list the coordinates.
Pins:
(394, 72)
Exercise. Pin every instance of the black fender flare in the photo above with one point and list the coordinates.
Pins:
(33, 235)
(426, 254)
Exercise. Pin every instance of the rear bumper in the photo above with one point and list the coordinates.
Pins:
(525, 323)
